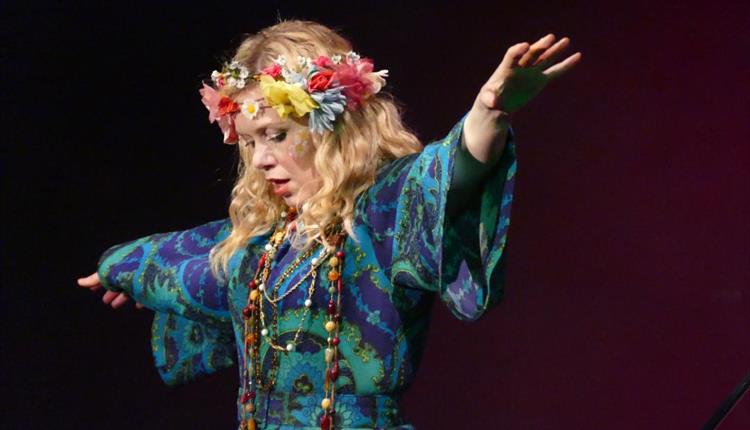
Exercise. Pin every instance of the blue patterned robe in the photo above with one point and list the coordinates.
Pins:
(407, 252)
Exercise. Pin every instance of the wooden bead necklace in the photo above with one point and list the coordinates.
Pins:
(256, 328)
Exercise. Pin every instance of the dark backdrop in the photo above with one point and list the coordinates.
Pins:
(628, 283)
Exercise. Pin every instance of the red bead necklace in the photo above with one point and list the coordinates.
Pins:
(256, 328)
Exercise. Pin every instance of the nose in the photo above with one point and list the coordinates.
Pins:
(263, 157)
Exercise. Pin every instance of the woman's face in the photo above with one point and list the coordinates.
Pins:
(283, 150)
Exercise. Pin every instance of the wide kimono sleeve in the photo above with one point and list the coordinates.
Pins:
(170, 274)
(461, 258)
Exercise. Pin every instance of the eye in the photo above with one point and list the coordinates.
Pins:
(248, 142)
(278, 137)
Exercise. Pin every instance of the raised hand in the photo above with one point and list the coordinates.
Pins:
(111, 298)
(524, 71)
(521, 75)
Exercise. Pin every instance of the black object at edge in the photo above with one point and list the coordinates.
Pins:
(727, 405)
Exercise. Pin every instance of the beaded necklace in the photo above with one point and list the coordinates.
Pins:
(257, 329)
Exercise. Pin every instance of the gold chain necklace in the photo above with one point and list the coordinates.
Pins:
(256, 328)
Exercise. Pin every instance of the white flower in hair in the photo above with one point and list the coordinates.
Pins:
(294, 78)
(280, 60)
(336, 59)
(244, 73)
(231, 81)
(250, 109)
(352, 56)
(239, 83)
(378, 80)
(305, 62)
(235, 65)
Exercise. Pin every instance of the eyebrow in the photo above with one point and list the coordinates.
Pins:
(263, 127)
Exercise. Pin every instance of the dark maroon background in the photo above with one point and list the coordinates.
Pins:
(628, 288)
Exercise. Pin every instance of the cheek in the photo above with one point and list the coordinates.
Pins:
(301, 148)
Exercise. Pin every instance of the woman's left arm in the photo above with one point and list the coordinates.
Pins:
(524, 71)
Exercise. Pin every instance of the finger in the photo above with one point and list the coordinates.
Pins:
(109, 296)
(563, 66)
(89, 281)
(119, 301)
(536, 50)
(550, 54)
(511, 57)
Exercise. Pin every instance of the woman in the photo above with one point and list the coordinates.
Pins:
(341, 230)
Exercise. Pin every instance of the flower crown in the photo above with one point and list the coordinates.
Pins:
(322, 88)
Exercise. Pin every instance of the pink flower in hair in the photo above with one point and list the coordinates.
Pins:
(323, 61)
(221, 109)
(274, 71)
(353, 77)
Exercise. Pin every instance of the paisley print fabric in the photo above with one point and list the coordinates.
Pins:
(404, 253)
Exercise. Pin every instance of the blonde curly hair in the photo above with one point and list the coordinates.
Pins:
(346, 161)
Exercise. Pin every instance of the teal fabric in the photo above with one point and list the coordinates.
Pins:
(406, 253)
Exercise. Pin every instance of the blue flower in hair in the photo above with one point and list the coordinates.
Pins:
(331, 104)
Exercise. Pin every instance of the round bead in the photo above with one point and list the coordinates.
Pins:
(246, 312)
(262, 287)
(331, 310)
(252, 284)
(250, 338)
(336, 340)
(283, 214)
(290, 347)
(268, 247)
(308, 303)
(250, 408)
(332, 290)
(253, 295)
(333, 261)
(340, 254)
(264, 332)
(251, 424)
(326, 403)
(315, 261)
(330, 326)
(333, 275)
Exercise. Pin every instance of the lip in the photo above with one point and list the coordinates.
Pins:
(279, 186)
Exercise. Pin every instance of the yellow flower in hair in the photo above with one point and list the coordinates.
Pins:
(286, 98)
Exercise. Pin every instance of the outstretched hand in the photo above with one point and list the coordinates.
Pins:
(524, 71)
(111, 298)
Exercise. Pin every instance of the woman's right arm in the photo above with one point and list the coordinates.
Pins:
(170, 273)
(166, 272)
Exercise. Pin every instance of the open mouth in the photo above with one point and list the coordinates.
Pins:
(279, 186)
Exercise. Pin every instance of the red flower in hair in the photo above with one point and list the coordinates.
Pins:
(220, 110)
(273, 71)
(323, 61)
(353, 77)
(320, 81)
(227, 105)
